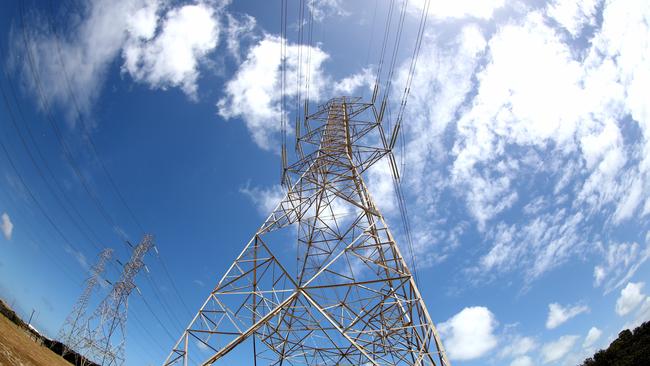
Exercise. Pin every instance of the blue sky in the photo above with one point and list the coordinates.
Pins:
(526, 158)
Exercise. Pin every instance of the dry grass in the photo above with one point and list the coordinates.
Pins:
(17, 348)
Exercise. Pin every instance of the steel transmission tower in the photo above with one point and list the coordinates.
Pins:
(348, 297)
(74, 329)
(105, 340)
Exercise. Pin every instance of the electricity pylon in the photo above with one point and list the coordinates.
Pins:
(348, 297)
(74, 327)
(105, 341)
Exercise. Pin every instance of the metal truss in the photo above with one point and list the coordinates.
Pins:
(347, 297)
(104, 342)
(74, 329)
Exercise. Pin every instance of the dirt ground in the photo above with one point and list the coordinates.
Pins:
(17, 348)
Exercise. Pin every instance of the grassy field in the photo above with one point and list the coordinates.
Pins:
(17, 348)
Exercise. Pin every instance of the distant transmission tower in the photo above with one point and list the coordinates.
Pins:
(347, 298)
(74, 328)
(104, 342)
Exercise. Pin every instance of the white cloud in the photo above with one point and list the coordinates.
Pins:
(440, 86)
(556, 350)
(592, 336)
(238, 28)
(202, 346)
(526, 97)
(541, 107)
(143, 22)
(557, 314)
(171, 58)
(459, 8)
(6, 226)
(253, 93)
(265, 199)
(642, 315)
(327, 8)
(199, 283)
(348, 85)
(517, 347)
(104, 30)
(86, 54)
(382, 189)
(573, 15)
(621, 263)
(522, 361)
(537, 246)
(623, 40)
(630, 298)
(442, 80)
(78, 256)
(470, 333)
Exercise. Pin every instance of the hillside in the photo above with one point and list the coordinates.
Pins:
(23, 345)
(629, 349)
(20, 347)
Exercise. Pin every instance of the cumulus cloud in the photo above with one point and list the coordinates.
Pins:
(380, 184)
(592, 336)
(161, 46)
(559, 348)
(440, 86)
(239, 28)
(620, 264)
(348, 85)
(78, 63)
(503, 112)
(558, 314)
(517, 347)
(536, 246)
(6, 226)
(265, 199)
(470, 333)
(171, 57)
(549, 113)
(327, 8)
(573, 15)
(78, 256)
(522, 361)
(631, 297)
(642, 315)
(253, 93)
(460, 8)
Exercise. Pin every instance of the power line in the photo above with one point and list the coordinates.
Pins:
(382, 53)
(162, 301)
(397, 183)
(160, 322)
(50, 253)
(24, 184)
(95, 241)
(50, 118)
(66, 149)
(88, 136)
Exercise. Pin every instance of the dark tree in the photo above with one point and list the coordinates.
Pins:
(629, 349)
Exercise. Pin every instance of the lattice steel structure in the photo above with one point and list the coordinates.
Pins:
(104, 342)
(348, 297)
(74, 328)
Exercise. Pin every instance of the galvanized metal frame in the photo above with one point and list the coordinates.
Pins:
(352, 299)
(105, 337)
